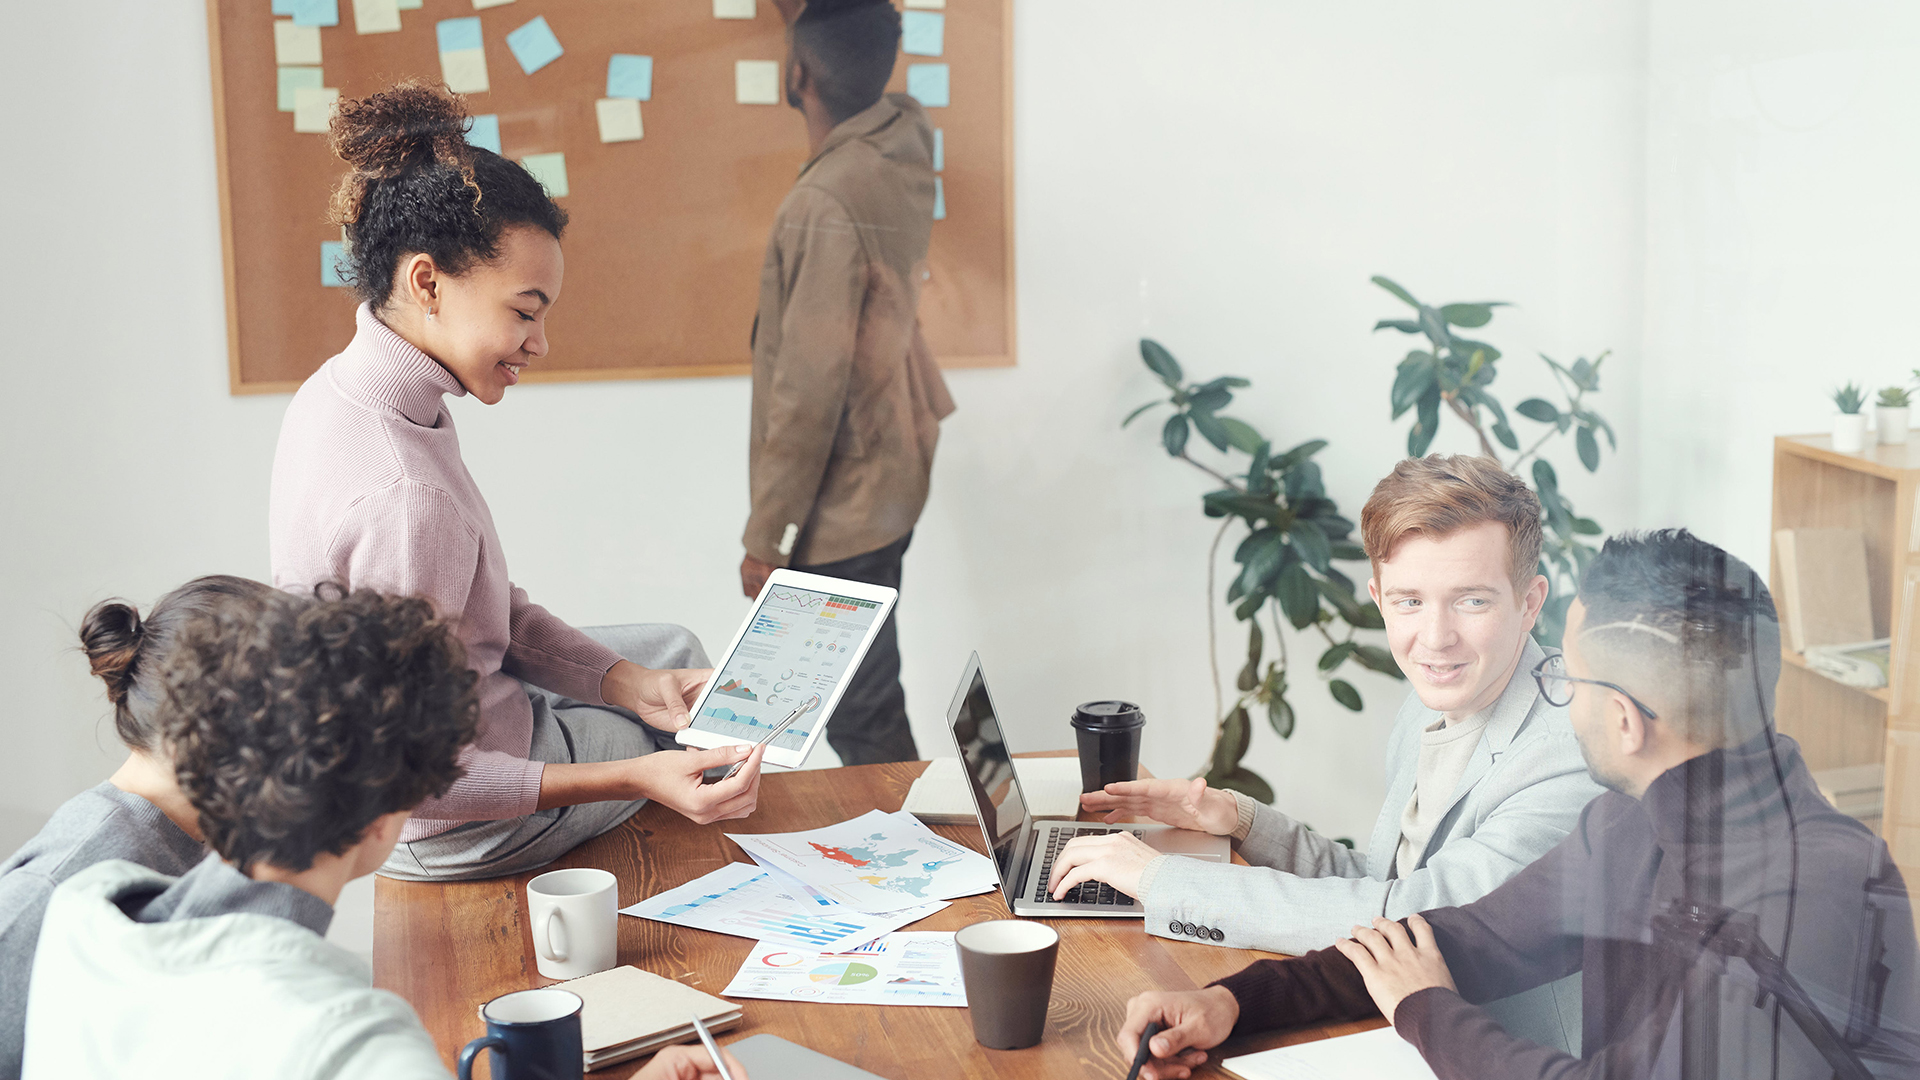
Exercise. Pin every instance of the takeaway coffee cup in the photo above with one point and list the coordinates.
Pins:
(1007, 965)
(575, 915)
(1109, 736)
(534, 1035)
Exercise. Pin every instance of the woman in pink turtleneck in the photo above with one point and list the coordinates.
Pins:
(456, 255)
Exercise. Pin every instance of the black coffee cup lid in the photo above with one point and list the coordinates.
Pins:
(1108, 715)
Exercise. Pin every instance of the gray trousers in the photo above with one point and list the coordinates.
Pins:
(564, 731)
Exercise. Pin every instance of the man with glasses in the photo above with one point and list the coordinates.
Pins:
(1724, 920)
(1483, 776)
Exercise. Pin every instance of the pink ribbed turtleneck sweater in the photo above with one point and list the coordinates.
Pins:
(369, 491)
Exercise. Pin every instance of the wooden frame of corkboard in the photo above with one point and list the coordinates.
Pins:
(667, 233)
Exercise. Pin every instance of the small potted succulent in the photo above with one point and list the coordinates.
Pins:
(1890, 414)
(1849, 426)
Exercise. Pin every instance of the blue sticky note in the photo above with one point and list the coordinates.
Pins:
(283, 7)
(928, 84)
(456, 35)
(939, 199)
(316, 12)
(939, 149)
(289, 79)
(630, 76)
(922, 33)
(534, 45)
(485, 132)
(333, 263)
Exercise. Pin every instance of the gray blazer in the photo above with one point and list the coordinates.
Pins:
(1521, 795)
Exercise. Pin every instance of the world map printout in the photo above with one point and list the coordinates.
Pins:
(876, 862)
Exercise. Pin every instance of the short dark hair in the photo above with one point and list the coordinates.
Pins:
(849, 48)
(417, 186)
(1674, 617)
(129, 654)
(294, 725)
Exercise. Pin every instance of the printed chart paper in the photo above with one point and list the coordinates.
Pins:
(751, 902)
(913, 967)
(876, 862)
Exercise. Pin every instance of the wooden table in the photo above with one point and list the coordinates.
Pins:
(449, 948)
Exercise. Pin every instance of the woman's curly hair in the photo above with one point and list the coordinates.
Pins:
(415, 185)
(295, 722)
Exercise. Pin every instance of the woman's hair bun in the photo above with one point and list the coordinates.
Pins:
(111, 634)
(411, 126)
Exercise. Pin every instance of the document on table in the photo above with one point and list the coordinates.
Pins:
(1380, 1054)
(752, 902)
(876, 862)
(911, 967)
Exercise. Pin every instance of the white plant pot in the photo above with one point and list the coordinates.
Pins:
(1892, 422)
(1849, 432)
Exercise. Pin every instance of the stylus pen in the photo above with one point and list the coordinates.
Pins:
(707, 1038)
(777, 729)
(1141, 1055)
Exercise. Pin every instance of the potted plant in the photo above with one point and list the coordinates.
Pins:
(1890, 414)
(1849, 426)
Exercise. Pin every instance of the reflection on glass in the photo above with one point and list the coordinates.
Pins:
(983, 752)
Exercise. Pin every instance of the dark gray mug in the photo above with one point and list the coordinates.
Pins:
(1007, 965)
(534, 1035)
(1108, 734)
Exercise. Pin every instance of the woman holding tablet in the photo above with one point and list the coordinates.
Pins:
(455, 253)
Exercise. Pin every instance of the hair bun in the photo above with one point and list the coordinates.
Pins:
(411, 126)
(111, 634)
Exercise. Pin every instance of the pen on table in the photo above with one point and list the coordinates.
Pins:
(777, 729)
(1141, 1055)
(712, 1049)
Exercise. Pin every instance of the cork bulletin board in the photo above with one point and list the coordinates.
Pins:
(668, 230)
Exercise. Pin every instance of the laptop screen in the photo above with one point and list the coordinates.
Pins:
(989, 768)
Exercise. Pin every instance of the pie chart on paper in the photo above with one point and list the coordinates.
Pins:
(849, 974)
(782, 959)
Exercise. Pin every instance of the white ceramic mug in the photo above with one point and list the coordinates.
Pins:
(575, 916)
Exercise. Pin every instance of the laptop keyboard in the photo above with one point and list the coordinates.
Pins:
(1087, 894)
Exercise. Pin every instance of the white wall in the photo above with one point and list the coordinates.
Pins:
(1220, 174)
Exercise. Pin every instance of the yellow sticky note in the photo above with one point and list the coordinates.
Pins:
(619, 119)
(409, 5)
(294, 44)
(733, 9)
(756, 82)
(465, 71)
(313, 109)
(550, 170)
(482, 5)
(376, 16)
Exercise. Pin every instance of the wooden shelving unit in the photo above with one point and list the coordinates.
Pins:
(1874, 491)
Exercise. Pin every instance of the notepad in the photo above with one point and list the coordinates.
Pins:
(1380, 1054)
(627, 1012)
(939, 796)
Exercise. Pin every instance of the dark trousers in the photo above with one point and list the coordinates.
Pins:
(869, 725)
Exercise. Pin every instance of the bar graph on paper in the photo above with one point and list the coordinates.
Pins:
(751, 902)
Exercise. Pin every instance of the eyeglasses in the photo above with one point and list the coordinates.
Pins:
(1557, 686)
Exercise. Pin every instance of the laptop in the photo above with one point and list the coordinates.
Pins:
(1024, 847)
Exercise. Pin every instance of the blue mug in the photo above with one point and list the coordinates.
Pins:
(534, 1035)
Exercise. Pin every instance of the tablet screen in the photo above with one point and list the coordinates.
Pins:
(799, 644)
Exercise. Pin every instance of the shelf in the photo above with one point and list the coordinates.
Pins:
(1889, 462)
(1882, 695)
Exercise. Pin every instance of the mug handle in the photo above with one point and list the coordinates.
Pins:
(551, 952)
(472, 1050)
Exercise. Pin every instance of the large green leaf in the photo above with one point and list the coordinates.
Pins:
(1209, 399)
(1405, 326)
(1586, 527)
(1210, 428)
(1262, 560)
(1252, 507)
(1435, 327)
(1298, 454)
(1505, 434)
(1280, 716)
(1250, 675)
(1415, 375)
(1589, 448)
(1375, 658)
(1245, 781)
(1348, 550)
(1538, 409)
(1235, 734)
(1174, 435)
(1471, 315)
(1312, 544)
(1342, 599)
(1370, 617)
(1426, 424)
(1336, 655)
(1544, 478)
(1299, 597)
(1465, 348)
(1303, 483)
(1161, 362)
(1242, 436)
(1345, 694)
(1396, 290)
(1138, 411)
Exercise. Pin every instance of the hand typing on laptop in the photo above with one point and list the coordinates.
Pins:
(1118, 859)
(1184, 804)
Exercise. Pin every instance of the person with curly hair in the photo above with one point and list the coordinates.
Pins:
(303, 732)
(455, 253)
(138, 814)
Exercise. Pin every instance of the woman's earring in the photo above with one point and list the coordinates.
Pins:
(430, 314)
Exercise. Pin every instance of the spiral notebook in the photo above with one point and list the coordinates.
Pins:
(627, 1012)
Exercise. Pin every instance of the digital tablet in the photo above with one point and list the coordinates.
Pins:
(804, 638)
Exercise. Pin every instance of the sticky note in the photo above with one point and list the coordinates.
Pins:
(939, 149)
(465, 71)
(333, 264)
(534, 45)
(485, 132)
(928, 84)
(939, 199)
(457, 35)
(922, 33)
(927, 3)
(482, 5)
(630, 76)
(295, 44)
(296, 78)
(619, 119)
(316, 12)
(376, 16)
(550, 170)
(313, 109)
(756, 82)
(733, 9)
(283, 7)
(408, 5)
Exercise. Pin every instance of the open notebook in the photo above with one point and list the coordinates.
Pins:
(940, 797)
(627, 1012)
(1380, 1054)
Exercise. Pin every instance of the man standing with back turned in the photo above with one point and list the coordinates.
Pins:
(847, 400)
